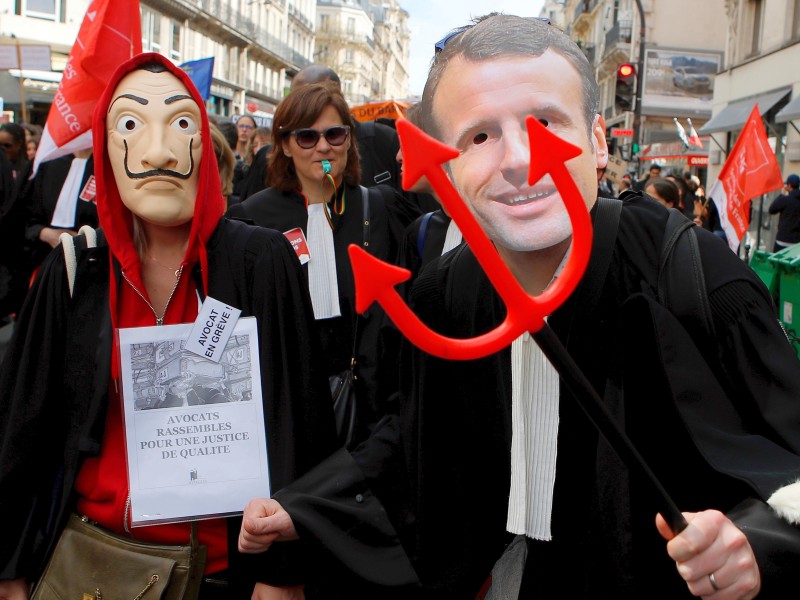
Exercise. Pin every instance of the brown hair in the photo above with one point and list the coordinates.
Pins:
(225, 159)
(300, 109)
(497, 36)
(667, 190)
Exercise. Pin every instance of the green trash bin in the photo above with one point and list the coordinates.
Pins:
(789, 291)
(768, 271)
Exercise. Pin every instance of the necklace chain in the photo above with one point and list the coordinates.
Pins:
(162, 265)
(159, 320)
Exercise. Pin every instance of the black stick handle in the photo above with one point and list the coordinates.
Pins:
(597, 412)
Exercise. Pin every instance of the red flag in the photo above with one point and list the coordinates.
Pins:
(110, 34)
(750, 170)
(694, 139)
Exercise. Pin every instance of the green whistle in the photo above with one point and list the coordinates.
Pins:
(326, 166)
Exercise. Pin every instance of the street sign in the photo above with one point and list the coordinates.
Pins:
(615, 132)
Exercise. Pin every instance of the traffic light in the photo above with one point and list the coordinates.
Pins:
(626, 87)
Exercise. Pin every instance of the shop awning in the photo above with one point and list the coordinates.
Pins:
(9, 90)
(789, 112)
(734, 116)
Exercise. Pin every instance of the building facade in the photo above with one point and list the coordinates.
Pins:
(682, 52)
(762, 55)
(257, 45)
(367, 43)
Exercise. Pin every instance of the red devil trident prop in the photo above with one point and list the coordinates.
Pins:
(375, 280)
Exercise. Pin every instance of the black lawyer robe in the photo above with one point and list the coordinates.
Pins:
(441, 466)
(54, 382)
(377, 346)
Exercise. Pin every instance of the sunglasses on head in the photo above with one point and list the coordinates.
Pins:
(442, 43)
(308, 138)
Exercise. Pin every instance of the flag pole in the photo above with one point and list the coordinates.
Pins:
(760, 219)
(21, 82)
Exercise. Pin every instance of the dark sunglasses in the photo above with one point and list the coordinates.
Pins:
(442, 43)
(8, 145)
(308, 138)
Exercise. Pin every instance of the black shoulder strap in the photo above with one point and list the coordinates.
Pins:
(365, 215)
(605, 226)
(422, 234)
(681, 282)
(606, 223)
(366, 129)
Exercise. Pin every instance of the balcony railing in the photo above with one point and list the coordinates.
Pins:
(620, 33)
(230, 16)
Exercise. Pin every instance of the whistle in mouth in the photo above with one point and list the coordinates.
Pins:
(326, 167)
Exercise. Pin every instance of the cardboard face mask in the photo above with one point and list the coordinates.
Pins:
(155, 146)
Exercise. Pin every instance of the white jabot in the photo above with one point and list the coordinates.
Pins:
(535, 390)
(64, 213)
(534, 401)
(452, 238)
(322, 282)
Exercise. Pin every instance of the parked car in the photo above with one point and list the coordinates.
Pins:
(691, 79)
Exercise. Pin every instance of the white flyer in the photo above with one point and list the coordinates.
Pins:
(194, 429)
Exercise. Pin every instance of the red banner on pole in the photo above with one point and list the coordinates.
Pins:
(110, 34)
(751, 170)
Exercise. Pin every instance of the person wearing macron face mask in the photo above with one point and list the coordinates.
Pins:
(585, 527)
(163, 244)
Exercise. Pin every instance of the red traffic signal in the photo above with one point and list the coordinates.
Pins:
(626, 70)
(625, 88)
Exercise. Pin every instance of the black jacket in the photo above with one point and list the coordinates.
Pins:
(440, 467)
(788, 207)
(40, 200)
(377, 347)
(54, 382)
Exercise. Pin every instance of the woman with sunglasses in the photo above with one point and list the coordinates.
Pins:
(316, 200)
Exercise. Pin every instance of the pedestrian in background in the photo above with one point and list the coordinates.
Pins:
(787, 205)
(641, 184)
(665, 191)
(12, 142)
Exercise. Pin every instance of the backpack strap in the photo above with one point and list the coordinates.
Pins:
(422, 234)
(365, 215)
(605, 225)
(681, 282)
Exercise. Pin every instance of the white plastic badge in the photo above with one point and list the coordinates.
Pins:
(298, 240)
(212, 329)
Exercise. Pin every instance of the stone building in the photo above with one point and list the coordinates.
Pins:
(684, 44)
(258, 45)
(762, 55)
(367, 43)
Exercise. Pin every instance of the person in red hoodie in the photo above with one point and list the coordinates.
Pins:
(163, 246)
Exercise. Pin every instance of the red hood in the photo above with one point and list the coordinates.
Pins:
(115, 219)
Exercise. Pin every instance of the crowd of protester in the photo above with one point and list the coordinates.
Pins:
(445, 484)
